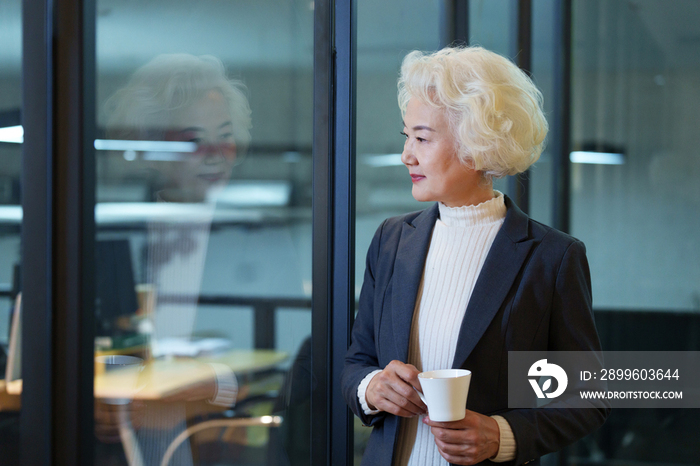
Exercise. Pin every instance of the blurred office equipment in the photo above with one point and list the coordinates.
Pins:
(116, 292)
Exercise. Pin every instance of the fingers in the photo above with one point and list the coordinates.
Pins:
(471, 420)
(404, 387)
(466, 423)
(463, 446)
(400, 401)
(406, 372)
(106, 424)
(464, 459)
(458, 454)
(109, 418)
(394, 396)
(392, 390)
(467, 441)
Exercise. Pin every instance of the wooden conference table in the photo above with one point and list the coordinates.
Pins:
(154, 381)
(162, 378)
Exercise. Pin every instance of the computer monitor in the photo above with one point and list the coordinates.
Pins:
(115, 297)
(115, 287)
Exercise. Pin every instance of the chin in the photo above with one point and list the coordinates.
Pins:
(421, 197)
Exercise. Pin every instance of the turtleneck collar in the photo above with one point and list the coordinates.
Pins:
(487, 212)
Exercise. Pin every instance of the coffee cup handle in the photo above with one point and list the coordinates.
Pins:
(422, 397)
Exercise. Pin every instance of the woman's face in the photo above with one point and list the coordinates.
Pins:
(430, 155)
(207, 123)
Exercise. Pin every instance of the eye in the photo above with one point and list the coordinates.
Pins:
(404, 134)
(420, 139)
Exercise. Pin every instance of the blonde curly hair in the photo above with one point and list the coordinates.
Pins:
(143, 108)
(493, 108)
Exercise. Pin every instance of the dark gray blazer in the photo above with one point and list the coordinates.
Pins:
(533, 294)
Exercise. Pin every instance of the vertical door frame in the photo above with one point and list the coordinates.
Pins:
(560, 129)
(333, 301)
(58, 178)
(519, 185)
(322, 229)
(342, 311)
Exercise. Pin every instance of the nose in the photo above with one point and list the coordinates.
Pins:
(209, 153)
(407, 157)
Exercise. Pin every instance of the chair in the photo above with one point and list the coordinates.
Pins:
(269, 421)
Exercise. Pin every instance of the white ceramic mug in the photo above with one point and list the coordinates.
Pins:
(445, 393)
(124, 371)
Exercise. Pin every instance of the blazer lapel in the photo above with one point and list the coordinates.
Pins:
(503, 262)
(408, 270)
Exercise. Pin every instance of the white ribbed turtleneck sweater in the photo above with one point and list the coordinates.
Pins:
(458, 248)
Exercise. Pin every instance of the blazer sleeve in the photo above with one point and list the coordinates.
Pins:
(572, 328)
(361, 358)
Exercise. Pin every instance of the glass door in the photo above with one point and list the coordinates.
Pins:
(204, 118)
(386, 32)
(635, 200)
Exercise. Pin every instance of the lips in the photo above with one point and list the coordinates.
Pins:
(417, 178)
(211, 177)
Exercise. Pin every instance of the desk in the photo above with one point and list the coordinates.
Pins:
(157, 380)
(163, 378)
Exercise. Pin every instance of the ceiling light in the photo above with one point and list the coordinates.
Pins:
(145, 146)
(383, 160)
(600, 158)
(13, 134)
(249, 193)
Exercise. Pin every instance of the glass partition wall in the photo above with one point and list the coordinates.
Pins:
(635, 199)
(386, 33)
(203, 232)
(174, 200)
(10, 224)
(632, 91)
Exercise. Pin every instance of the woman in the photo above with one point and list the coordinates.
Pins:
(180, 98)
(460, 284)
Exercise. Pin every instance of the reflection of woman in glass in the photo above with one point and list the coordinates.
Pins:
(189, 100)
(460, 284)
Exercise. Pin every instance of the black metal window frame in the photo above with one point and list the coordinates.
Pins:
(561, 119)
(56, 424)
(333, 300)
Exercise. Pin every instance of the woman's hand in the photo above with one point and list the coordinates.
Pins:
(469, 441)
(392, 390)
(109, 418)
